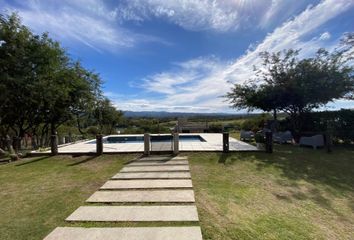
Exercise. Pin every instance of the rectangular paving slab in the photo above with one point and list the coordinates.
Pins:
(153, 163)
(155, 158)
(135, 213)
(179, 158)
(138, 233)
(152, 175)
(156, 168)
(143, 184)
(171, 196)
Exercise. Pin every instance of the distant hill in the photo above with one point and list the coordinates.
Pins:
(163, 114)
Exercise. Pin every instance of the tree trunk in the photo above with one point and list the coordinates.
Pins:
(2, 152)
(53, 130)
(9, 144)
(275, 114)
(79, 125)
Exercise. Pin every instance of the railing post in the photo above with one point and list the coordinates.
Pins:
(329, 142)
(225, 142)
(146, 144)
(54, 144)
(175, 143)
(99, 144)
(269, 142)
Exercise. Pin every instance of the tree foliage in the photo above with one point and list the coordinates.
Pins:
(295, 86)
(41, 87)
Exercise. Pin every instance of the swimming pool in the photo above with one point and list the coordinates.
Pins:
(153, 138)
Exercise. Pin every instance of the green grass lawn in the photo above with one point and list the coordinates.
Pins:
(38, 194)
(294, 193)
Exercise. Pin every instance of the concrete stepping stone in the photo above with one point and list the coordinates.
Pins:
(155, 158)
(179, 158)
(135, 213)
(156, 168)
(143, 184)
(138, 233)
(135, 196)
(158, 163)
(152, 175)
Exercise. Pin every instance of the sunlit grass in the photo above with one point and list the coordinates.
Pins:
(295, 193)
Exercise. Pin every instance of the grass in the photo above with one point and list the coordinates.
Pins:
(294, 193)
(38, 194)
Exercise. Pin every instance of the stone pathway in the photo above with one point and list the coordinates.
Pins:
(153, 175)
(155, 181)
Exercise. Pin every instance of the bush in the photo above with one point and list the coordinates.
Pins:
(339, 123)
(255, 124)
(215, 128)
(259, 138)
(93, 130)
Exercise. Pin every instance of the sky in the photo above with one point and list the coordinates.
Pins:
(183, 56)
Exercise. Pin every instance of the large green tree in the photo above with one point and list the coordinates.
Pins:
(107, 116)
(41, 87)
(289, 84)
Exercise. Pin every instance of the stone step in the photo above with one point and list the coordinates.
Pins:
(156, 168)
(129, 233)
(153, 163)
(161, 158)
(179, 158)
(135, 196)
(155, 158)
(135, 214)
(143, 184)
(153, 175)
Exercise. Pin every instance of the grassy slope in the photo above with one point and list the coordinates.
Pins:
(38, 194)
(295, 193)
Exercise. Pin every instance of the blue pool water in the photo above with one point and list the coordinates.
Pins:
(163, 138)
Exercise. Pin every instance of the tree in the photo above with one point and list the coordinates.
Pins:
(295, 86)
(41, 87)
(107, 116)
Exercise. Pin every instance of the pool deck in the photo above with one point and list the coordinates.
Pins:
(213, 143)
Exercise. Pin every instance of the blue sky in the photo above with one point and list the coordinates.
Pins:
(183, 55)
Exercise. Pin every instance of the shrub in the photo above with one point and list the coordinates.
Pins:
(339, 123)
(215, 128)
(255, 124)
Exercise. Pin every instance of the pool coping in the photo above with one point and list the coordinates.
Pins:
(213, 144)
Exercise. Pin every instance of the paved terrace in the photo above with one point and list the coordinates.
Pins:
(167, 197)
(213, 143)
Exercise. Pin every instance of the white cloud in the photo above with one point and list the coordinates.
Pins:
(325, 36)
(216, 15)
(197, 14)
(87, 21)
(184, 74)
(184, 88)
(279, 11)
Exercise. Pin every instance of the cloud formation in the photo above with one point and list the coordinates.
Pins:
(89, 22)
(216, 15)
(194, 84)
(186, 87)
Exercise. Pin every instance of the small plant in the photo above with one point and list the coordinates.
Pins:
(259, 138)
(43, 149)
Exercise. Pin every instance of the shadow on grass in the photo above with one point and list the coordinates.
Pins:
(83, 161)
(134, 160)
(331, 174)
(32, 161)
(316, 166)
(223, 157)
